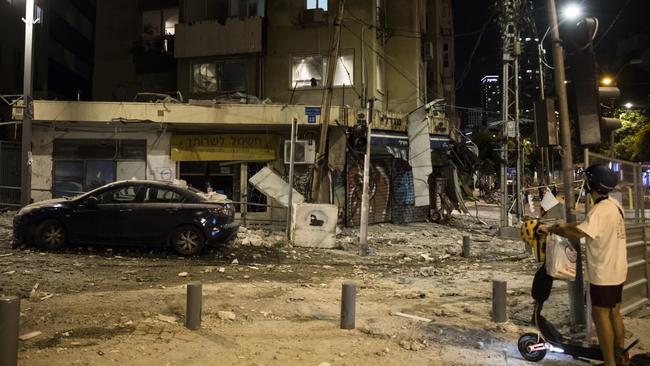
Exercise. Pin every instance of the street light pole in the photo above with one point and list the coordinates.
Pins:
(28, 111)
(576, 289)
(365, 197)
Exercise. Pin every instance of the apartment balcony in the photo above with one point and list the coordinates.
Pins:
(211, 38)
(154, 55)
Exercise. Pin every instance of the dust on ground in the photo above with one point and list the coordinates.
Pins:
(268, 303)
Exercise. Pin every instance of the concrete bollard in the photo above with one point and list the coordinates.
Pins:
(9, 324)
(348, 295)
(194, 305)
(466, 243)
(499, 304)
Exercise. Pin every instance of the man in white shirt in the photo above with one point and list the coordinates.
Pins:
(606, 260)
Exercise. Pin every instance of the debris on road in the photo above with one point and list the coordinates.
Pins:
(30, 335)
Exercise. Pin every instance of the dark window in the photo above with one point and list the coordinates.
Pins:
(83, 165)
(125, 194)
(161, 195)
(99, 173)
(100, 149)
(68, 178)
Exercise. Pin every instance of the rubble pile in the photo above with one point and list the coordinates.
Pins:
(6, 220)
(259, 238)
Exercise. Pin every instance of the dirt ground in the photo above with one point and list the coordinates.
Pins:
(280, 305)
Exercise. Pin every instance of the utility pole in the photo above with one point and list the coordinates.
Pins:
(28, 111)
(511, 50)
(576, 289)
(294, 126)
(365, 197)
(321, 167)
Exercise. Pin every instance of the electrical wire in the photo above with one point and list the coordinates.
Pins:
(613, 23)
(397, 69)
(468, 67)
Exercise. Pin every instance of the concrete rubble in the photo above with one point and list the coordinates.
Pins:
(418, 300)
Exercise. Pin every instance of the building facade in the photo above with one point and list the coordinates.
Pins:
(63, 48)
(205, 90)
(491, 97)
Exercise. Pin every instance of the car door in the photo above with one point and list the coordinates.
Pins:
(158, 213)
(104, 220)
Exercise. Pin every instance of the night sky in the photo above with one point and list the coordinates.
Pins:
(633, 19)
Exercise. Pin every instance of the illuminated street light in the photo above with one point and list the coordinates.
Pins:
(606, 81)
(572, 11)
(629, 105)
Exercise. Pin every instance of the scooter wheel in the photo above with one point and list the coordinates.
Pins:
(527, 340)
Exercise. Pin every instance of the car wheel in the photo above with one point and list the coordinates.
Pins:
(51, 235)
(187, 240)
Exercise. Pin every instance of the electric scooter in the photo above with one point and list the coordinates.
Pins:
(533, 346)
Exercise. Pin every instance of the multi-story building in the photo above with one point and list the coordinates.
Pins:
(63, 48)
(229, 76)
(530, 82)
(491, 97)
(62, 61)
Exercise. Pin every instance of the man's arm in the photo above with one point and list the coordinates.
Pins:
(568, 230)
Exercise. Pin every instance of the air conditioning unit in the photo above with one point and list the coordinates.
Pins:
(304, 152)
(313, 17)
(428, 51)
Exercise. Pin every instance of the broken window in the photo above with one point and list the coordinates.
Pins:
(311, 71)
(159, 22)
(317, 4)
(213, 77)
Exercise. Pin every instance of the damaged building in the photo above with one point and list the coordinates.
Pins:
(205, 91)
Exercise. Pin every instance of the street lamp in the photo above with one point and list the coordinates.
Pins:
(606, 81)
(572, 11)
(628, 105)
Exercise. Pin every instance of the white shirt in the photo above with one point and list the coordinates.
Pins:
(607, 249)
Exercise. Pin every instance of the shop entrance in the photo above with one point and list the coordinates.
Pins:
(220, 177)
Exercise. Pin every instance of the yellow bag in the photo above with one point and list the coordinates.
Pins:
(533, 239)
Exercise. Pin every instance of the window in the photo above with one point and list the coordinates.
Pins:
(99, 173)
(311, 71)
(38, 14)
(83, 165)
(250, 8)
(317, 4)
(161, 195)
(213, 77)
(159, 22)
(125, 194)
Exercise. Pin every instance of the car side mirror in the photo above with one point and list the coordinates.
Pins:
(91, 201)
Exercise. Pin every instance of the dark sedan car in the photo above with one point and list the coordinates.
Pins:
(129, 212)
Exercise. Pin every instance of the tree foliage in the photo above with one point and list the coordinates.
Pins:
(633, 138)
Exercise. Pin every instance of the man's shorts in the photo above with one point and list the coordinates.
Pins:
(605, 296)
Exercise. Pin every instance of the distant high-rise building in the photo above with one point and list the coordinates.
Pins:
(491, 97)
(529, 70)
(63, 55)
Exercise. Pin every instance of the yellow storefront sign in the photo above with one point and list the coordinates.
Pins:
(223, 147)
